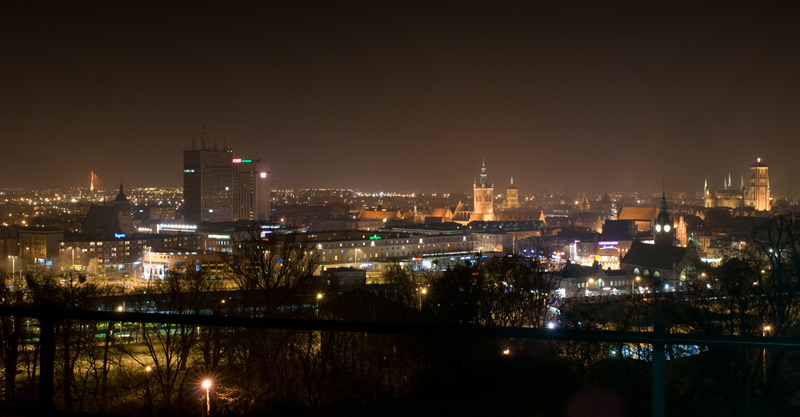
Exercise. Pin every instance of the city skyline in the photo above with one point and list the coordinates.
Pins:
(402, 96)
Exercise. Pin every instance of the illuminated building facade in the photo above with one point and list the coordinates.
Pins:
(39, 244)
(102, 252)
(376, 249)
(483, 209)
(759, 186)
(251, 194)
(512, 196)
(207, 185)
(157, 265)
(727, 197)
(758, 196)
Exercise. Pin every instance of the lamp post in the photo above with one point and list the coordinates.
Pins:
(207, 385)
(13, 265)
(764, 355)
(148, 399)
(635, 282)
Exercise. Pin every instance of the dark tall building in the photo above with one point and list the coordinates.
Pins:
(251, 190)
(113, 219)
(208, 185)
(664, 232)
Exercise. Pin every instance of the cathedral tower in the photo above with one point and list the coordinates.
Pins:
(759, 186)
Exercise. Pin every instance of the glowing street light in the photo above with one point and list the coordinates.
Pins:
(422, 292)
(764, 332)
(207, 386)
(13, 264)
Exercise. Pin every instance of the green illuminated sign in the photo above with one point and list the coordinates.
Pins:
(247, 161)
(376, 237)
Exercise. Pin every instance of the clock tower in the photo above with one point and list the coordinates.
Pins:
(663, 227)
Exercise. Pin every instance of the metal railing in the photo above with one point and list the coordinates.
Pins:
(659, 339)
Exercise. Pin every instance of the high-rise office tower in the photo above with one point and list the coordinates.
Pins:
(208, 185)
(251, 190)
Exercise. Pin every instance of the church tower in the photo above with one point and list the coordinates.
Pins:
(122, 212)
(707, 198)
(662, 225)
(512, 196)
(759, 186)
(483, 198)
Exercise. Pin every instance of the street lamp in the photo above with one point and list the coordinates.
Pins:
(319, 300)
(207, 385)
(13, 264)
(636, 282)
(764, 332)
(422, 292)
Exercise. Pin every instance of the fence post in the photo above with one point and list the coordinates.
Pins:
(658, 402)
(47, 339)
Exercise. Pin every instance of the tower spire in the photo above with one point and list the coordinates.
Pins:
(663, 223)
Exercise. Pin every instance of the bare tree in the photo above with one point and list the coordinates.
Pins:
(755, 294)
(169, 346)
(12, 332)
(271, 270)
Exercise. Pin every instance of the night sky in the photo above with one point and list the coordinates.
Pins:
(391, 96)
